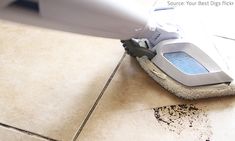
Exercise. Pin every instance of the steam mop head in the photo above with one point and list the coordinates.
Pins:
(186, 92)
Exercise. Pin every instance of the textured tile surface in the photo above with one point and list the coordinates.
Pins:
(125, 111)
(49, 79)
(12, 135)
(135, 108)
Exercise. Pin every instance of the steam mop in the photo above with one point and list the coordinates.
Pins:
(157, 37)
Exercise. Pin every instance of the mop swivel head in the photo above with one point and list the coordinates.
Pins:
(186, 72)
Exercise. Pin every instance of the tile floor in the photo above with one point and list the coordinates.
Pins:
(62, 86)
(12, 135)
(49, 88)
(126, 112)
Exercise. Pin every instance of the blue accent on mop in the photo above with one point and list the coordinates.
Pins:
(185, 63)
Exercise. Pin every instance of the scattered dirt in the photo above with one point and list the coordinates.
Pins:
(184, 119)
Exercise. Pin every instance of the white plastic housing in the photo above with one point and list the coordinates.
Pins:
(105, 18)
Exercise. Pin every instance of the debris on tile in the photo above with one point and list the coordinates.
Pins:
(184, 119)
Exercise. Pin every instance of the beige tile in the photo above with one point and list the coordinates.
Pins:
(12, 135)
(126, 107)
(132, 89)
(50, 79)
(221, 116)
(126, 112)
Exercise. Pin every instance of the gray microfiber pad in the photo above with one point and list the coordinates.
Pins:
(180, 90)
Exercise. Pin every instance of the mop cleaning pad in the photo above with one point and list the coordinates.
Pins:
(186, 92)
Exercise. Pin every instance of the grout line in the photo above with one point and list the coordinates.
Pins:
(27, 132)
(224, 37)
(98, 99)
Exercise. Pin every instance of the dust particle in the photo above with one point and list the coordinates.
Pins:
(184, 119)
